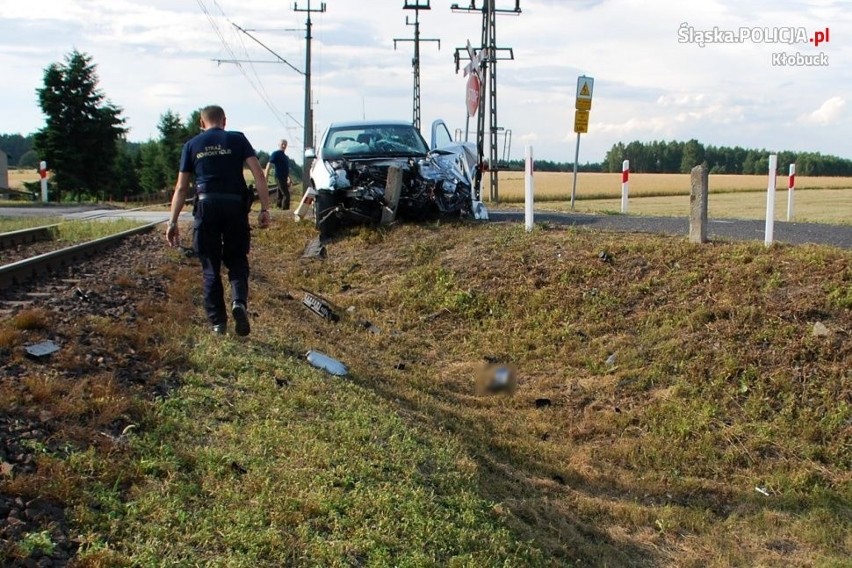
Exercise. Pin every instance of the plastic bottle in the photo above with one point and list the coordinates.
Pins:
(329, 364)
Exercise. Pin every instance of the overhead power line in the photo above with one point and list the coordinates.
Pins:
(251, 76)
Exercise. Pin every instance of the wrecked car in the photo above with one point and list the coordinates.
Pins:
(373, 172)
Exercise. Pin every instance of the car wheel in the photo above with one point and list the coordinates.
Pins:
(326, 218)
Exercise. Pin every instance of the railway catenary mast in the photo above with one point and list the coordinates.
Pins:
(415, 62)
(489, 70)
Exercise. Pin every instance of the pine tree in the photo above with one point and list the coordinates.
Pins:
(79, 140)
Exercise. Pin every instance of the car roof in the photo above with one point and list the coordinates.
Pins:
(357, 123)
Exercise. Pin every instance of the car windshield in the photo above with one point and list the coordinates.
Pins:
(374, 141)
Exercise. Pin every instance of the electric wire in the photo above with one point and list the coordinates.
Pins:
(256, 83)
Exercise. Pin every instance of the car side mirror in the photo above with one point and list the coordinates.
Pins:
(310, 153)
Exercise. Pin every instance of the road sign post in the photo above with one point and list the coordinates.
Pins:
(582, 106)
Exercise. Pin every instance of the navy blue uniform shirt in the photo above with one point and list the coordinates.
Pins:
(216, 157)
(282, 164)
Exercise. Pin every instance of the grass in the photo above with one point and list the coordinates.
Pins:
(70, 231)
(718, 386)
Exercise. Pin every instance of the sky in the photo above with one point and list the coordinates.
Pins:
(653, 80)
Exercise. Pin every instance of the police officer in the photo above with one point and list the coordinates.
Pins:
(281, 161)
(221, 226)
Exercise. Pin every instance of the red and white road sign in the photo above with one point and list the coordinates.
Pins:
(474, 91)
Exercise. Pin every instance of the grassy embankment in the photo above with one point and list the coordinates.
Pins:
(678, 405)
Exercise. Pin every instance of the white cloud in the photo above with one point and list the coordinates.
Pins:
(828, 113)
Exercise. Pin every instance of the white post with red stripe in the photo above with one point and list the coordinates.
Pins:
(791, 187)
(625, 183)
(770, 201)
(42, 172)
(529, 188)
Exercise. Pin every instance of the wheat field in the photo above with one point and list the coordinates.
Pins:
(557, 185)
(816, 199)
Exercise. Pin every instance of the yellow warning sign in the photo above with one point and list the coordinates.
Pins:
(585, 87)
(583, 104)
(581, 121)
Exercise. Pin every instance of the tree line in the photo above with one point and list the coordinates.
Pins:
(680, 157)
(85, 145)
(661, 157)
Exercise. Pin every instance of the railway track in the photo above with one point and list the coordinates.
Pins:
(26, 236)
(17, 273)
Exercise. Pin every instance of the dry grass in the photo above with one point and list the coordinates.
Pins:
(718, 385)
(32, 319)
(653, 459)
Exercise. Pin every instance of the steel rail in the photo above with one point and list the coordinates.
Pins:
(19, 272)
(25, 236)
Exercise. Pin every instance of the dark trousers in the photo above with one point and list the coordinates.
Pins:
(221, 235)
(283, 194)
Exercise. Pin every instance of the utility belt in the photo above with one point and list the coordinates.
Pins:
(221, 197)
(245, 199)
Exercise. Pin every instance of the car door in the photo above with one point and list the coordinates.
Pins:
(441, 136)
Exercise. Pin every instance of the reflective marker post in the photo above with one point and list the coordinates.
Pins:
(529, 188)
(791, 187)
(42, 172)
(770, 201)
(625, 183)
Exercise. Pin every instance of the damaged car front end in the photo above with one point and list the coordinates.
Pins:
(375, 172)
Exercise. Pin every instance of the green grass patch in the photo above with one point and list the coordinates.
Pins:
(70, 231)
(239, 471)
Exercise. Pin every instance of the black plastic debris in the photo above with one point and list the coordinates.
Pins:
(400, 366)
(369, 326)
(82, 295)
(315, 249)
(281, 383)
(42, 350)
(542, 402)
(320, 307)
(187, 252)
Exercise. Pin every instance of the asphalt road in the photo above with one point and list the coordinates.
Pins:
(728, 229)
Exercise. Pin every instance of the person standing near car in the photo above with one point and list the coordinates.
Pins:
(221, 226)
(281, 161)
